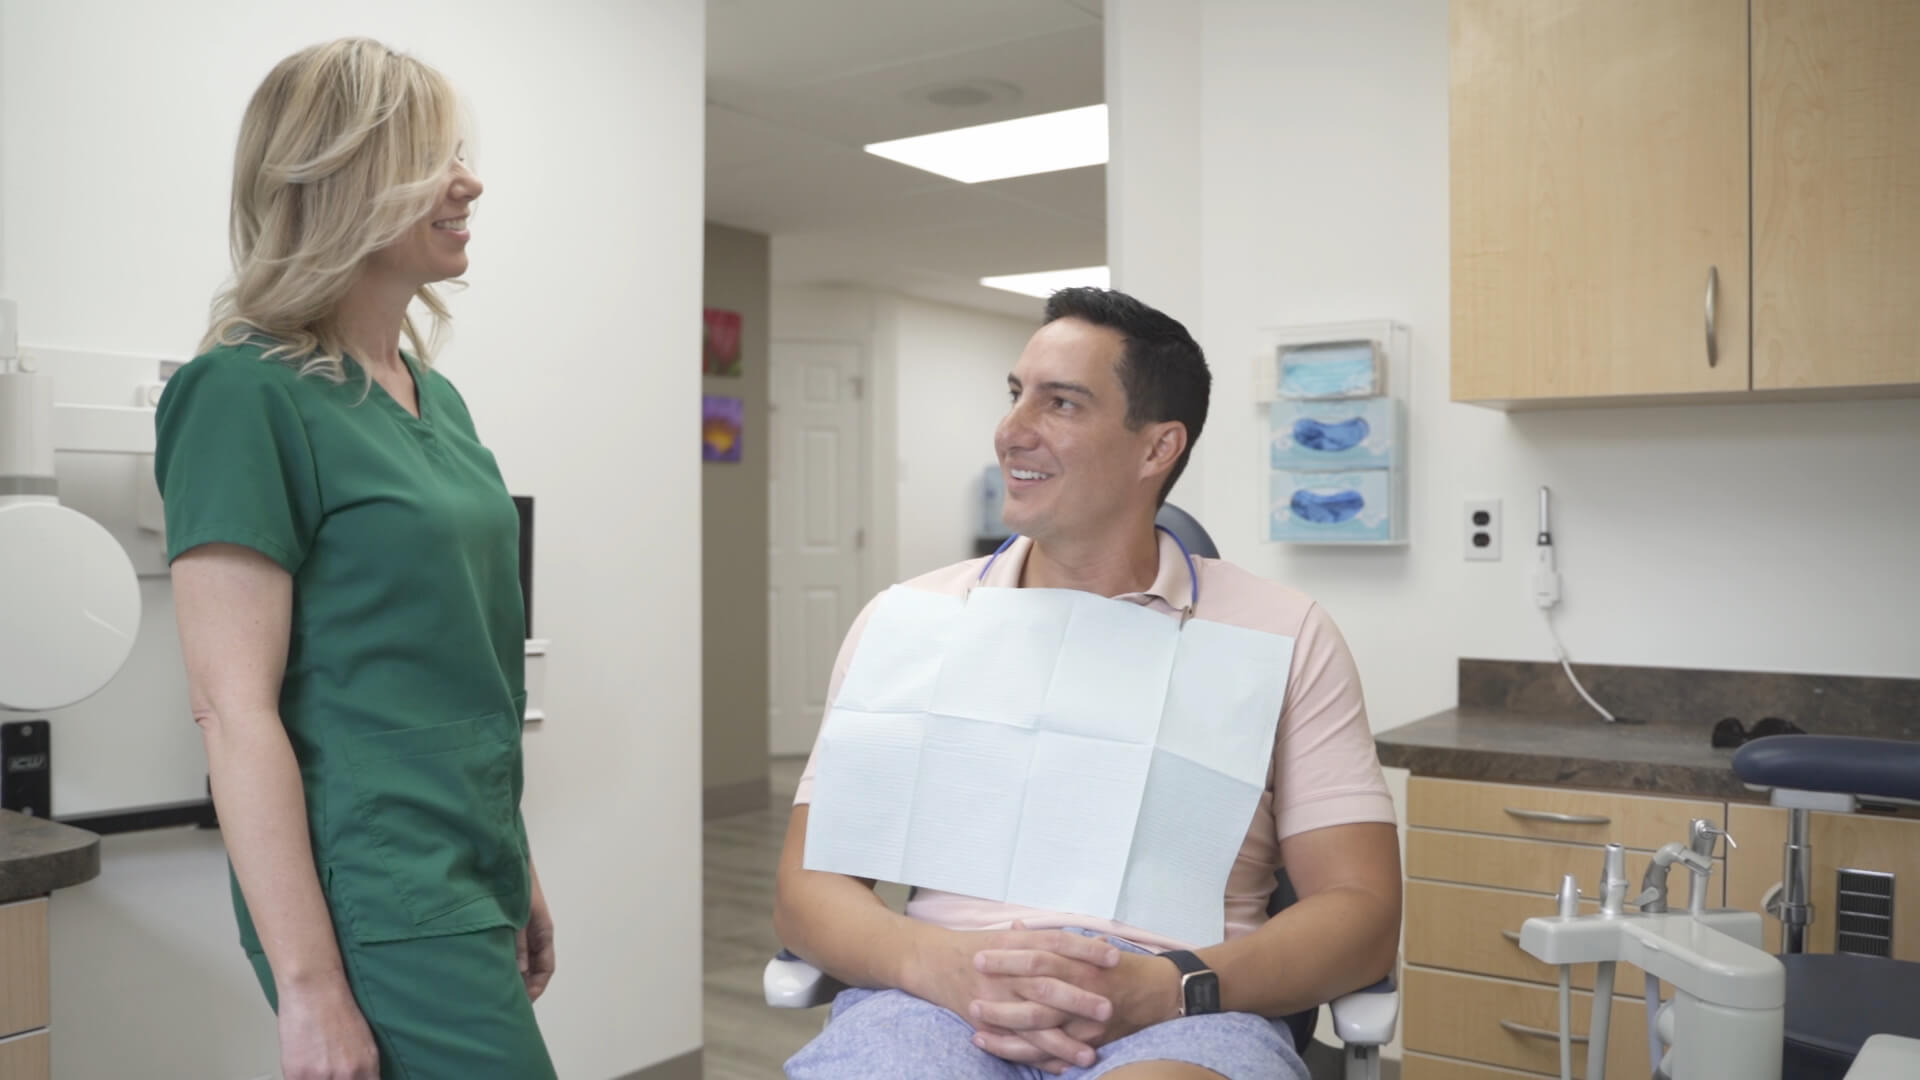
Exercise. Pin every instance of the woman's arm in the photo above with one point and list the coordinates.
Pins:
(235, 608)
(534, 942)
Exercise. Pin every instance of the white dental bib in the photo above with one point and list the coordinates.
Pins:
(1050, 748)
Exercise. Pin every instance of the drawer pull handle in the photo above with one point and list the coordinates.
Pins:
(1558, 818)
(1511, 935)
(1538, 1033)
(1713, 316)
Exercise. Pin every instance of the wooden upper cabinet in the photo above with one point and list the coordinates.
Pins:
(1836, 193)
(1599, 166)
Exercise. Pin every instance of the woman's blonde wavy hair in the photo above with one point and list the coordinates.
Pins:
(344, 147)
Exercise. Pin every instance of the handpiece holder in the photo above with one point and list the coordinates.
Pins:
(1702, 838)
(1696, 855)
(1730, 993)
(1653, 884)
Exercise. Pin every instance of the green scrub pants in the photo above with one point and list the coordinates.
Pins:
(443, 1008)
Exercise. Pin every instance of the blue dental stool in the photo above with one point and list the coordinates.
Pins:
(1834, 1002)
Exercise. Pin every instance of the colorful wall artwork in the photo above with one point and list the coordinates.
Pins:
(720, 343)
(721, 422)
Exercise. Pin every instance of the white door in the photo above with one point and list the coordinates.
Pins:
(818, 534)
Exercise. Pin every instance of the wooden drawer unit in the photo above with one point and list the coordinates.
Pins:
(1856, 841)
(1511, 1024)
(1461, 928)
(1532, 865)
(1427, 1067)
(27, 1057)
(1483, 858)
(1537, 813)
(23, 968)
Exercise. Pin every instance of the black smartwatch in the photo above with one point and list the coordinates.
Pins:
(1199, 985)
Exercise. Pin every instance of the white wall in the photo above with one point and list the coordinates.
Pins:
(937, 378)
(1152, 68)
(951, 368)
(574, 346)
(1772, 537)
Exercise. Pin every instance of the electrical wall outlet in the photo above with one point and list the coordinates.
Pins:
(1483, 526)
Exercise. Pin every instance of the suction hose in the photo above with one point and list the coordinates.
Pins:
(1602, 1017)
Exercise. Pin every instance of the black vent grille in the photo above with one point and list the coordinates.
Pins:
(1863, 926)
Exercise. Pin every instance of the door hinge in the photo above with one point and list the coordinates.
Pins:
(860, 539)
(859, 387)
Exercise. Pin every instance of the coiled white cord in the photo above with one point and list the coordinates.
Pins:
(1560, 654)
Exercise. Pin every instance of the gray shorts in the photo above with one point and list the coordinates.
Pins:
(892, 1035)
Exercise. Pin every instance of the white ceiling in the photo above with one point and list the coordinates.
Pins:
(795, 88)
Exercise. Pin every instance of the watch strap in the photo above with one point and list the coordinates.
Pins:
(1199, 984)
(1187, 962)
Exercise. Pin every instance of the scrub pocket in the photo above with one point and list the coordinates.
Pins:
(436, 807)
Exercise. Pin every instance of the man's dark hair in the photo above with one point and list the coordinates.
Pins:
(1162, 368)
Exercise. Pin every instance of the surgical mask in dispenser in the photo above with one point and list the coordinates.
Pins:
(1332, 507)
(1331, 369)
(1358, 433)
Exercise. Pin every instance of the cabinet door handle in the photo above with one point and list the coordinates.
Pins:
(1539, 1033)
(1511, 935)
(1558, 818)
(1713, 304)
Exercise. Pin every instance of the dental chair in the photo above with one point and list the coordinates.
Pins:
(1364, 1020)
(1835, 1002)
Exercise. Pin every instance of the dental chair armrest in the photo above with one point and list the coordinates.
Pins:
(792, 983)
(1367, 1017)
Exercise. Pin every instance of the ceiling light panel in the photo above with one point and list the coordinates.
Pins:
(1049, 142)
(1044, 283)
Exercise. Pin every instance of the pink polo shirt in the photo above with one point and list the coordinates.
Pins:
(1324, 769)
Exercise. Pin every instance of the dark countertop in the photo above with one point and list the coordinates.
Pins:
(38, 856)
(1521, 722)
(1571, 749)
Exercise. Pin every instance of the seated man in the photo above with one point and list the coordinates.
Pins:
(1107, 400)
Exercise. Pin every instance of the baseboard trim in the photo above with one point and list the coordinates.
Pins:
(685, 1067)
(726, 800)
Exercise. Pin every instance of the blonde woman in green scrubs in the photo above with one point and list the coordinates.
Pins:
(345, 575)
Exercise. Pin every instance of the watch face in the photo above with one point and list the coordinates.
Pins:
(1202, 992)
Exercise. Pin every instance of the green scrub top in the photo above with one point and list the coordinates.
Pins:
(404, 687)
